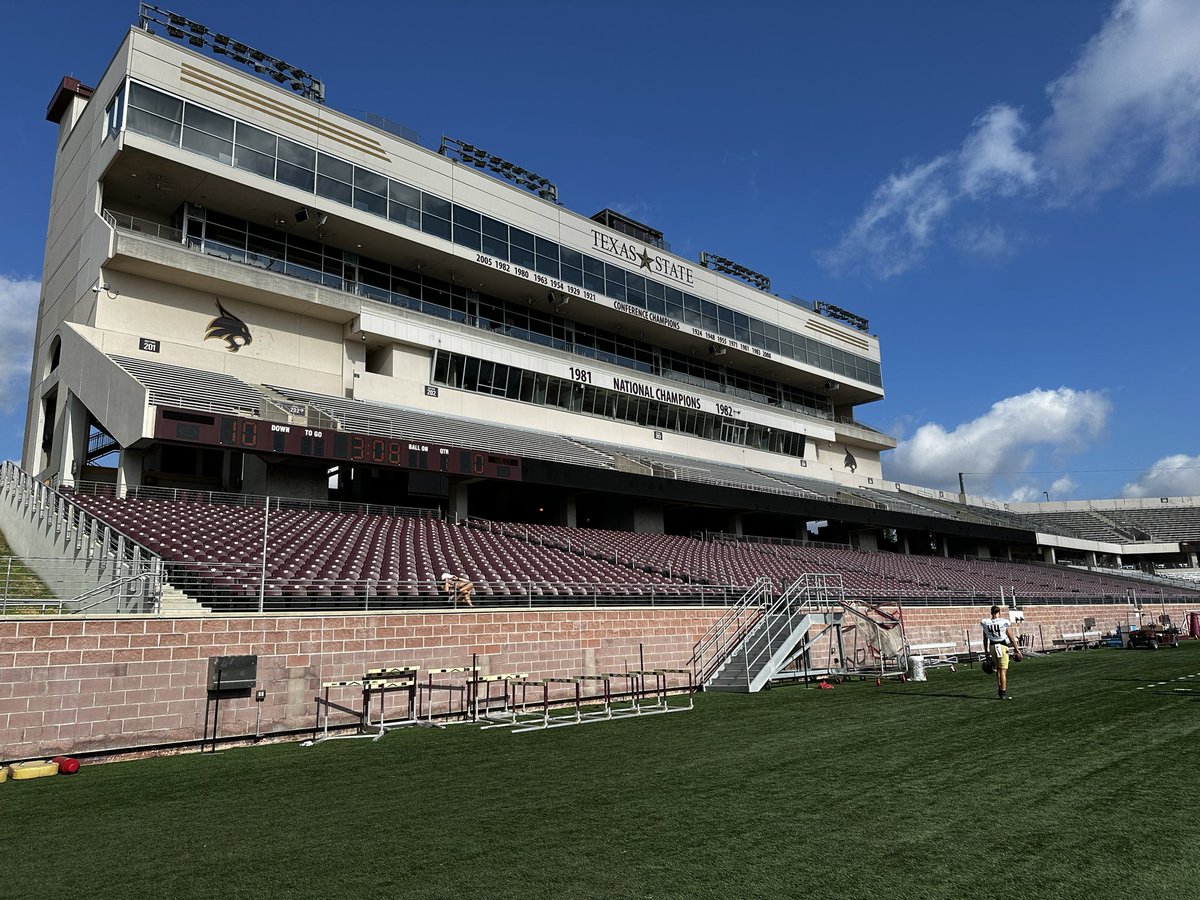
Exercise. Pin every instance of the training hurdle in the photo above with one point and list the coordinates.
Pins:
(517, 711)
(464, 692)
(374, 683)
(482, 709)
(649, 692)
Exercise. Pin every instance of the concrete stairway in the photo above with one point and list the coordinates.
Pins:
(176, 603)
(777, 641)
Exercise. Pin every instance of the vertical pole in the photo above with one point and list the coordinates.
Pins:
(7, 581)
(262, 580)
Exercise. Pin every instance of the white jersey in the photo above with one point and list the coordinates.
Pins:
(995, 630)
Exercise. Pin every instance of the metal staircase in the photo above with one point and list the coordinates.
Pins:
(761, 635)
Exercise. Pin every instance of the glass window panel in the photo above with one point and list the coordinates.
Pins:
(404, 215)
(495, 229)
(741, 326)
(297, 154)
(467, 218)
(467, 237)
(435, 206)
(255, 138)
(402, 193)
(655, 289)
(201, 119)
(572, 275)
(519, 238)
(375, 204)
(335, 190)
(333, 167)
(155, 102)
(519, 255)
(367, 180)
(547, 265)
(569, 257)
(543, 247)
(152, 126)
(254, 161)
(296, 176)
(435, 226)
(494, 246)
(593, 281)
(206, 145)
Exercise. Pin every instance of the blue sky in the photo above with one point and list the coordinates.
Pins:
(1008, 191)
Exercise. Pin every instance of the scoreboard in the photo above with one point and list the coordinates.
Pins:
(261, 436)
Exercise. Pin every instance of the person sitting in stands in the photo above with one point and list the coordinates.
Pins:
(459, 588)
(466, 589)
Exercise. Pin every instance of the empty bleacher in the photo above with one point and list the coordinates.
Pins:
(312, 558)
(187, 388)
(393, 421)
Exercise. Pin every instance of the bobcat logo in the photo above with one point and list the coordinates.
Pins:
(850, 462)
(230, 329)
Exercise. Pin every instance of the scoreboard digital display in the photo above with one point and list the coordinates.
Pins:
(260, 436)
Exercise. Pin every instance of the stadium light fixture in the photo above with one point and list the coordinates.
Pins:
(729, 267)
(182, 28)
(836, 312)
(469, 154)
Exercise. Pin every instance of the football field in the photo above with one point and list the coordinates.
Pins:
(1082, 786)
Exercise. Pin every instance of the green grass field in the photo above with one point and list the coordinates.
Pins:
(1080, 787)
(17, 581)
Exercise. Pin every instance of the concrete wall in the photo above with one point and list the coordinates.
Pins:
(73, 685)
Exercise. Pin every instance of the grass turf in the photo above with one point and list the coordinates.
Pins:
(1077, 788)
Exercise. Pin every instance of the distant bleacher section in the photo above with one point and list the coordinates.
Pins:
(865, 574)
(394, 421)
(193, 388)
(1123, 525)
(334, 557)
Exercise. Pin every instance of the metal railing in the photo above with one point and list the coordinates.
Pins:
(253, 501)
(224, 589)
(803, 597)
(126, 222)
(730, 631)
(44, 585)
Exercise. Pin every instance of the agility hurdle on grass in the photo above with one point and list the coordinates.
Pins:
(374, 683)
(463, 691)
(648, 693)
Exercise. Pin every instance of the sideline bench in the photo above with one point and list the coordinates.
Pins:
(935, 654)
(1079, 640)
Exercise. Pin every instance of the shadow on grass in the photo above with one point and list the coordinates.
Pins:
(927, 695)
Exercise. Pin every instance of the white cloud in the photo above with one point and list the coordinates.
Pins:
(990, 162)
(18, 311)
(1131, 102)
(891, 234)
(1003, 441)
(1126, 112)
(901, 221)
(1171, 476)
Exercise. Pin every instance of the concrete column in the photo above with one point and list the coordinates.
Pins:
(570, 514)
(74, 440)
(254, 475)
(129, 470)
(1048, 555)
(735, 524)
(458, 507)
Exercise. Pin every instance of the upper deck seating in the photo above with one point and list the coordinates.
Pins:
(395, 421)
(180, 386)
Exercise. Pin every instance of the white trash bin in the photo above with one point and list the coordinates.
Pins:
(916, 668)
